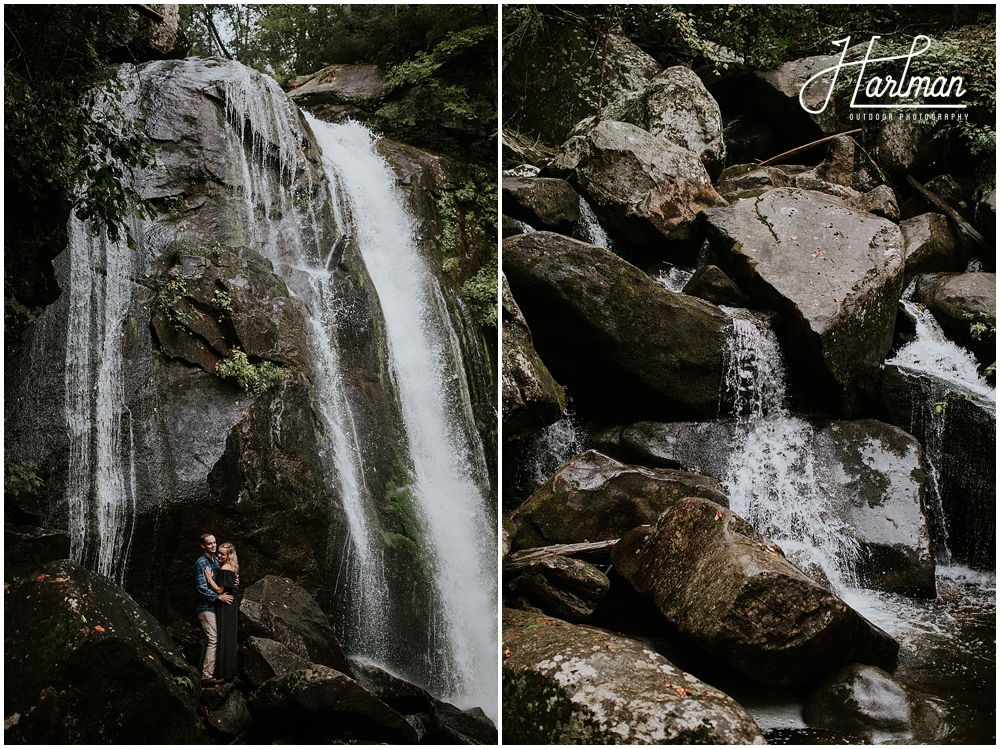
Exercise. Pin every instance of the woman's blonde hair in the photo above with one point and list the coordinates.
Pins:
(231, 552)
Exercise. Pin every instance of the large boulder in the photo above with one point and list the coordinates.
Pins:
(930, 245)
(276, 608)
(965, 304)
(541, 202)
(565, 684)
(866, 478)
(834, 275)
(677, 108)
(531, 398)
(958, 431)
(84, 664)
(646, 189)
(613, 335)
(776, 98)
(319, 703)
(595, 498)
(550, 86)
(728, 587)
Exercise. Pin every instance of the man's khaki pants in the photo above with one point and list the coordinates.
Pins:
(207, 619)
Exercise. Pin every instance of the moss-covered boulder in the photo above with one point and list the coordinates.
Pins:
(596, 498)
(566, 684)
(531, 398)
(644, 188)
(84, 664)
(676, 107)
(835, 276)
(728, 587)
(615, 337)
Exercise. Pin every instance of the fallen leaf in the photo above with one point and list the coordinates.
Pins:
(506, 653)
(98, 628)
(793, 237)
(684, 553)
(718, 515)
(600, 639)
(683, 692)
(61, 579)
(41, 577)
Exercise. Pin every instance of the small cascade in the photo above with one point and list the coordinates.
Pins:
(772, 478)
(671, 277)
(551, 448)
(588, 228)
(450, 483)
(933, 353)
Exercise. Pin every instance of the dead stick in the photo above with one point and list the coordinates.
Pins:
(520, 559)
(806, 147)
(145, 10)
(964, 226)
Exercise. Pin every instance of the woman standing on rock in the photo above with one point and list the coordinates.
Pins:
(226, 614)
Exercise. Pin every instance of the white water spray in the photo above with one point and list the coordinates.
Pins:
(449, 469)
(589, 229)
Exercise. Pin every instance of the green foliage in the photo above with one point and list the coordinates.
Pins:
(185, 684)
(482, 292)
(21, 478)
(223, 300)
(253, 378)
(67, 130)
(450, 265)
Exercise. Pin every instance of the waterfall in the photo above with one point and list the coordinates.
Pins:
(449, 469)
(551, 448)
(772, 478)
(100, 490)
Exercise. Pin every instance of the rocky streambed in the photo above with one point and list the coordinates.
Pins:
(751, 445)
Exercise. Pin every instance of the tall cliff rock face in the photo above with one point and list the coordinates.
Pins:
(119, 397)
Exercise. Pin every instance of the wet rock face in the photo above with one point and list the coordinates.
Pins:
(542, 202)
(276, 608)
(594, 498)
(642, 187)
(557, 84)
(866, 701)
(870, 474)
(340, 91)
(531, 398)
(26, 548)
(206, 305)
(615, 337)
(716, 579)
(565, 684)
(958, 431)
(833, 274)
(78, 644)
(713, 285)
(930, 245)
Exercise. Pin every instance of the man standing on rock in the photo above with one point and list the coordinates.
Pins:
(206, 605)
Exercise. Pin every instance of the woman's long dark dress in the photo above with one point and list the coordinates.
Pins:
(226, 622)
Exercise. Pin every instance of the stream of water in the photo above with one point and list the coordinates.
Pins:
(948, 643)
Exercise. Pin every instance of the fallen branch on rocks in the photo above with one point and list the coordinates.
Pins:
(806, 147)
(523, 558)
(964, 226)
(145, 10)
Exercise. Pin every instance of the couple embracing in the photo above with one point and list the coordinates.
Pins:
(217, 575)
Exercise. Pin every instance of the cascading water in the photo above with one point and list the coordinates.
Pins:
(448, 466)
(772, 478)
(947, 643)
(589, 229)
(100, 490)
